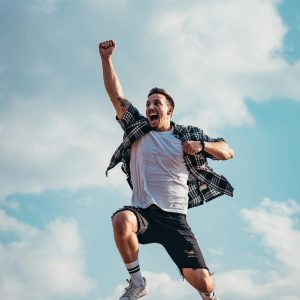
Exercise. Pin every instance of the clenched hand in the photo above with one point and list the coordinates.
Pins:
(192, 147)
(107, 48)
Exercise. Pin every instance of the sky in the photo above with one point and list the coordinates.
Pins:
(233, 68)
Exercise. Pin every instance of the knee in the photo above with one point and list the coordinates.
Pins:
(123, 222)
(205, 285)
(200, 279)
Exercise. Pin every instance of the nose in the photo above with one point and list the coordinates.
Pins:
(150, 106)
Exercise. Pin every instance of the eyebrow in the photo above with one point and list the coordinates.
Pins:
(156, 99)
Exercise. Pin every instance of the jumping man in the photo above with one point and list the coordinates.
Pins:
(166, 167)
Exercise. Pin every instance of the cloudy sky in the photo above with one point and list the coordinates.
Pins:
(233, 68)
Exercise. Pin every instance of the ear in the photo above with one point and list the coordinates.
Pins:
(170, 110)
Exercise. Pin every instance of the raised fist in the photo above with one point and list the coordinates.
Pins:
(107, 48)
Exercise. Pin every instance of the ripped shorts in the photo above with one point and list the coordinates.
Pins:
(172, 231)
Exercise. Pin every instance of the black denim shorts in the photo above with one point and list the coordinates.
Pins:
(172, 231)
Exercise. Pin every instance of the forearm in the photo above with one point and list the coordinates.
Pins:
(220, 150)
(111, 80)
(113, 86)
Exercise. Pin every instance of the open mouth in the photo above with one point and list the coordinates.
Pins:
(153, 117)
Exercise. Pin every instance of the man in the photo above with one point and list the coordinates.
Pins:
(166, 167)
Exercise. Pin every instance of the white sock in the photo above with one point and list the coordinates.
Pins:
(135, 273)
(208, 296)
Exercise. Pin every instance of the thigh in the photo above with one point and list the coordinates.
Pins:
(144, 228)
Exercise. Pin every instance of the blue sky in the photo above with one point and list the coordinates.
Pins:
(233, 69)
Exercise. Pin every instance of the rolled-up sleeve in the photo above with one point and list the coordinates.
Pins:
(131, 116)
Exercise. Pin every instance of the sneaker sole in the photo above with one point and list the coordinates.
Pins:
(143, 293)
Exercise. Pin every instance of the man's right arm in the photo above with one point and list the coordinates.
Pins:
(111, 81)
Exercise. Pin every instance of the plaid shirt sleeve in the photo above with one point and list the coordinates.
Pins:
(134, 125)
(204, 184)
(131, 116)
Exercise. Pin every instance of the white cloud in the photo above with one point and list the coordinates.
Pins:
(9, 203)
(223, 52)
(275, 224)
(41, 264)
(48, 146)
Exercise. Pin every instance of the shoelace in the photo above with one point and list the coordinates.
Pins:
(130, 289)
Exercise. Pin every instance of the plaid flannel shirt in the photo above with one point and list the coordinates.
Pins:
(204, 184)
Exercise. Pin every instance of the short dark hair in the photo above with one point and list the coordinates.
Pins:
(161, 91)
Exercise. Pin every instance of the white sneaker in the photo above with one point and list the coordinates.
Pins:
(133, 292)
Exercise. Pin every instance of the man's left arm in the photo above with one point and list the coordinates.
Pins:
(219, 150)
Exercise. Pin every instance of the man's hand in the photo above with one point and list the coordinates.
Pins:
(192, 147)
(107, 48)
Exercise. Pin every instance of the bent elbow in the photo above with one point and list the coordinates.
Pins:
(228, 154)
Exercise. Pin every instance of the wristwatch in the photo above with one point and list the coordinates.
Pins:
(203, 146)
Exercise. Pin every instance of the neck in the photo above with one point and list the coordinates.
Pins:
(165, 128)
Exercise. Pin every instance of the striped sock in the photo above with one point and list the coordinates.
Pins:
(135, 273)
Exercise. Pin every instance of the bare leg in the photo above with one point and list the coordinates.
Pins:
(125, 227)
(200, 279)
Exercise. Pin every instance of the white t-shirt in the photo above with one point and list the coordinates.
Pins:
(158, 172)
